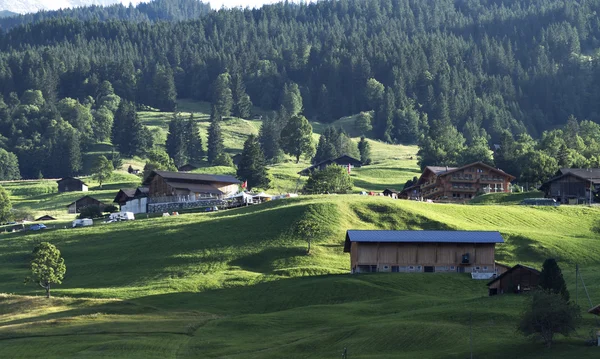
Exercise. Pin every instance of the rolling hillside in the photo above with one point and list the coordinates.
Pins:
(237, 284)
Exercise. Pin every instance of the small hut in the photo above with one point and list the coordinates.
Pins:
(518, 279)
(46, 218)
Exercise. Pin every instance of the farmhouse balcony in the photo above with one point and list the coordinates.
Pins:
(463, 189)
(432, 191)
(463, 179)
(491, 180)
(182, 198)
(428, 184)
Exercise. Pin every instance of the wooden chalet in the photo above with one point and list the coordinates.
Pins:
(133, 200)
(390, 193)
(458, 184)
(517, 279)
(343, 161)
(45, 218)
(85, 201)
(194, 186)
(187, 168)
(573, 185)
(71, 184)
(422, 251)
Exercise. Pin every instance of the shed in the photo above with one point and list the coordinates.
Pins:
(390, 193)
(46, 218)
(71, 184)
(124, 195)
(344, 161)
(518, 279)
(85, 201)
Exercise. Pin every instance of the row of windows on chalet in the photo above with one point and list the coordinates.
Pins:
(458, 184)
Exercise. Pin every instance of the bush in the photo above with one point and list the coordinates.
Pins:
(111, 208)
(93, 211)
(223, 159)
(362, 123)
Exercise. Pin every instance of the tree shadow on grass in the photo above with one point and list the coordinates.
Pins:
(518, 246)
(265, 261)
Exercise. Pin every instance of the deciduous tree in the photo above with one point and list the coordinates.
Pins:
(332, 179)
(102, 170)
(5, 206)
(47, 266)
(296, 137)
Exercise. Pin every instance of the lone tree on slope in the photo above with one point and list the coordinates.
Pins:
(551, 279)
(47, 266)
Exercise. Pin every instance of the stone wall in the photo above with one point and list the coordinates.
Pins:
(178, 206)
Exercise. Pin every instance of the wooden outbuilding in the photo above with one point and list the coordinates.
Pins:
(573, 185)
(45, 218)
(85, 201)
(422, 251)
(390, 193)
(193, 186)
(71, 184)
(518, 279)
(124, 195)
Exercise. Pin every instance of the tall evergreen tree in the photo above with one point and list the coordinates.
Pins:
(176, 144)
(9, 166)
(216, 148)
(222, 98)
(551, 279)
(128, 134)
(252, 166)
(163, 86)
(242, 104)
(195, 151)
(268, 137)
(364, 147)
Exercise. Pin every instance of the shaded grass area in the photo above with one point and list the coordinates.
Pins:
(505, 198)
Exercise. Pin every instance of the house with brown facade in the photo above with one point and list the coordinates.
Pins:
(422, 251)
(71, 184)
(517, 279)
(175, 186)
(573, 185)
(458, 184)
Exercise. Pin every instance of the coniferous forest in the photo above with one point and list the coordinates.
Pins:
(454, 76)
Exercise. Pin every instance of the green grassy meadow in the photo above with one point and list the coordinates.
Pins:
(237, 284)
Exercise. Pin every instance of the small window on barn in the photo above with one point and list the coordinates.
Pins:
(485, 268)
(452, 268)
(411, 268)
(477, 268)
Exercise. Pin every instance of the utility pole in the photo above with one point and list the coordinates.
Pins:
(576, 284)
(471, 333)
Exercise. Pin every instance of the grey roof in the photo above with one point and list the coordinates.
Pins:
(73, 179)
(439, 169)
(587, 173)
(195, 187)
(342, 161)
(190, 177)
(377, 236)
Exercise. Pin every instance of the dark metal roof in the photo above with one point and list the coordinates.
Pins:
(190, 177)
(195, 187)
(377, 236)
(84, 197)
(533, 270)
(342, 161)
(72, 179)
(124, 194)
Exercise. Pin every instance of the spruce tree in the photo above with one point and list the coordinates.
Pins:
(128, 133)
(551, 279)
(222, 98)
(164, 91)
(252, 167)
(216, 147)
(268, 137)
(364, 147)
(176, 145)
(195, 151)
(242, 104)
(325, 149)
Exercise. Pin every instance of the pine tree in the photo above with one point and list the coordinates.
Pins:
(252, 167)
(325, 150)
(222, 98)
(176, 145)
(242, 104)
(163, 85)
(268, 137)
(296, 137)
(364, 147)
(195, 151)
(551, 279)
(128, 134)
(216, 147)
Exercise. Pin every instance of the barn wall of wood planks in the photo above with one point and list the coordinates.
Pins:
(409, 257)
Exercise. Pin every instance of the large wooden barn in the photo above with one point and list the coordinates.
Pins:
(421, 251)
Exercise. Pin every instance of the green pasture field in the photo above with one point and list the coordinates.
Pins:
(238, 284)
